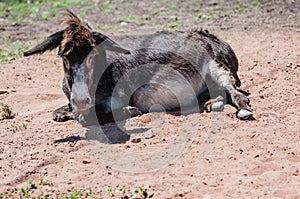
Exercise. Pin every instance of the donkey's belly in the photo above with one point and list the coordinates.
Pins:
(166, 95)
(170, 82)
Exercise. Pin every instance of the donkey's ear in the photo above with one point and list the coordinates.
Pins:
(107, 44)
(53, 41)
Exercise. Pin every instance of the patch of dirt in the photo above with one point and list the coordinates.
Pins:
(248, 159)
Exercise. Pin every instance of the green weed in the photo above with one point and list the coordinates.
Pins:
(14, 12)
(26, 191)
(14, 50)
(141, 191)
(38, 191)
(173, 24)
(154, 11)
(6, 111)
(207, 16)
(105, 27)
(107, 6)
(16, 128)
(131, 17)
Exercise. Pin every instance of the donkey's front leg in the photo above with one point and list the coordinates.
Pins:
(225, 80)
(119, 114)
(102, 117)
(63, 113)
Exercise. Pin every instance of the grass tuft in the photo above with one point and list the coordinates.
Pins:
(6, 111)
(40, 190)
(14, 50)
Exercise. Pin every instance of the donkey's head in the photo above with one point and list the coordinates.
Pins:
(77, 47)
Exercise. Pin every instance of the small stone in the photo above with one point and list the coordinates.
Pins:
(86, 161)
(3, 91)
(123, 23)
(145, 119)
(136, 140)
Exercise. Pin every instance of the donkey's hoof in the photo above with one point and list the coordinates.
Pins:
(217, 106)
(214, 106)
(132, 111)
(58, 117)
(244, 114)
(63, 113)
(62, 116)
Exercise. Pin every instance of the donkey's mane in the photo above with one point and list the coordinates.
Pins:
(76, 30)
(204, 33)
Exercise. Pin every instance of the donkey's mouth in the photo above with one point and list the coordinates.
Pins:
(82, 110)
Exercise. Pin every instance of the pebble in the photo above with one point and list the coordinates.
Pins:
(3, 91)
(86, 161)
(136, 140)
(123, 23)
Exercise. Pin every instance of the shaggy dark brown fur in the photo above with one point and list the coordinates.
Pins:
(172, 68)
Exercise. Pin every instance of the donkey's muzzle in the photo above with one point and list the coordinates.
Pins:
(81, 105)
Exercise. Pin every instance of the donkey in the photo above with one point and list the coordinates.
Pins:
(161, 71)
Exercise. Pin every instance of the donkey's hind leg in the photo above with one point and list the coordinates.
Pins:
(225, 80)
(63, 114)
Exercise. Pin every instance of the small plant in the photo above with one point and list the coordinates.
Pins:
(43, 182)
(90, 193)
(207, 16)
(31, 184)
(14, 50)
(105, 27)
(255, 4)
(154, 11)
(75, 193)
(26, 191)
(107, 6)
(172, 6)
(110, 191)
(16, 128)
(141, 192)
(122, 190)
(37, 190)
(174, 24)
(6, 111)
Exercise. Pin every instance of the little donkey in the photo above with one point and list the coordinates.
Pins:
(167, 70)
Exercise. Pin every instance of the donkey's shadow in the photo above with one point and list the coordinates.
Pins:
(118, 132)
(110, 133)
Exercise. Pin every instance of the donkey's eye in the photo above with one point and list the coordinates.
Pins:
(66, 49)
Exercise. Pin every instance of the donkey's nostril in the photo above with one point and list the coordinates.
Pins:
(88, 100)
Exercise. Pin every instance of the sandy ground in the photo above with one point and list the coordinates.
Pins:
(222, 157)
